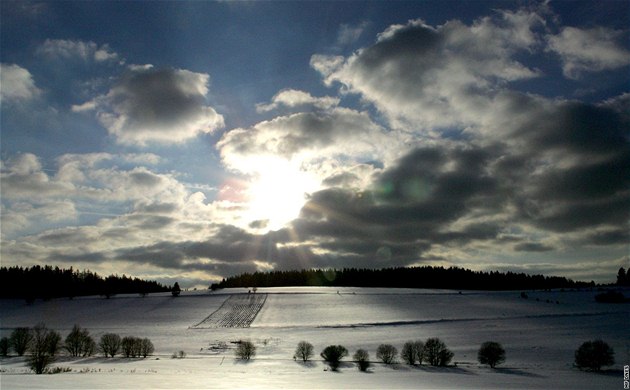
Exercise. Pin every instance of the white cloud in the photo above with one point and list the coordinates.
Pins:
(125, 207)
(307, 137)
(591, 50)
(291, 98)
(70, 49)
(327, 65)
(22, 215)
(83, 107)
(349, 34)
(16, 84)
(94, 177)
(156, 105)
(422, 77)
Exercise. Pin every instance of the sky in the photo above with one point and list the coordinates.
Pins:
(191, 141)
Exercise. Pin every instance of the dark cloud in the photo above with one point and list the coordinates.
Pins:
(412, 206)
(343, 179)
(158, 105)
(157, 208)
(610, 237)
(532, 247)
(571, 127)
(145, 179)
(151, 222)
(569, 165)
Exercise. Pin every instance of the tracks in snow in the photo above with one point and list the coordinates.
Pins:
(238, 311)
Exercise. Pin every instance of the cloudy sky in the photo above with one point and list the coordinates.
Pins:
(191, 141)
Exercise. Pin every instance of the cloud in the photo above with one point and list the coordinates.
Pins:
(518, 167)
(17, 84)
(291, 98)
(304, 136)
(65, 49)
(23, 178)
(588, 50)
(349, 34)
(22, 215)
(149, 105)
(457, 167)
(423, 76)
(532, 247)
(450, 196)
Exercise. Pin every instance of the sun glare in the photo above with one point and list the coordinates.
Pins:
(278, 193)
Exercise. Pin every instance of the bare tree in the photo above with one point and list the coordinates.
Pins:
(592, 355)
(4, 346)
(491, 353)
(146, 347)
(387, 353)
(42, 348)
(304, 350)
(436, 353)
(79, 342)
(19, 340)
(110, 344)
(53, 343)
(130, 346)
(412, 352)
(245, 350)
(333, 354)
(362, 357)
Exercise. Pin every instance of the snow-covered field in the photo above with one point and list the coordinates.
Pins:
(539, 334)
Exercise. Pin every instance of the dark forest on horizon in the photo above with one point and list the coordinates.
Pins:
(48, 282)
(454, 278)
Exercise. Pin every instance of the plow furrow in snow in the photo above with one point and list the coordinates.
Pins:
(238, 311)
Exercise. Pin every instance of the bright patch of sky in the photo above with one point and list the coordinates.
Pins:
(209, 138)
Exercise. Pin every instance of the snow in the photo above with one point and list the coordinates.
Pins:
(539, 334)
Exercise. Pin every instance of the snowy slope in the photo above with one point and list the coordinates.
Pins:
(540, 335)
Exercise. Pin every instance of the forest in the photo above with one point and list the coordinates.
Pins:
(48, 282)
(402, 277)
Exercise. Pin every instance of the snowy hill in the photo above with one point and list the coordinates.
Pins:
(539, 334)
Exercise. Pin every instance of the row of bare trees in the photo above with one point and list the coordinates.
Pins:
(42, 345)
(433, 351)
(591, 355)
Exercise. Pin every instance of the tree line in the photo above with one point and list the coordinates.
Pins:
(47, 282)
(42, 345)
(402, 277)
(591, 355)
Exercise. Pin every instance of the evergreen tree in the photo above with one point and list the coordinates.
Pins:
(623, 278)
(176, 290)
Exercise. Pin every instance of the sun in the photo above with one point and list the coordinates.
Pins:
(278, 192)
